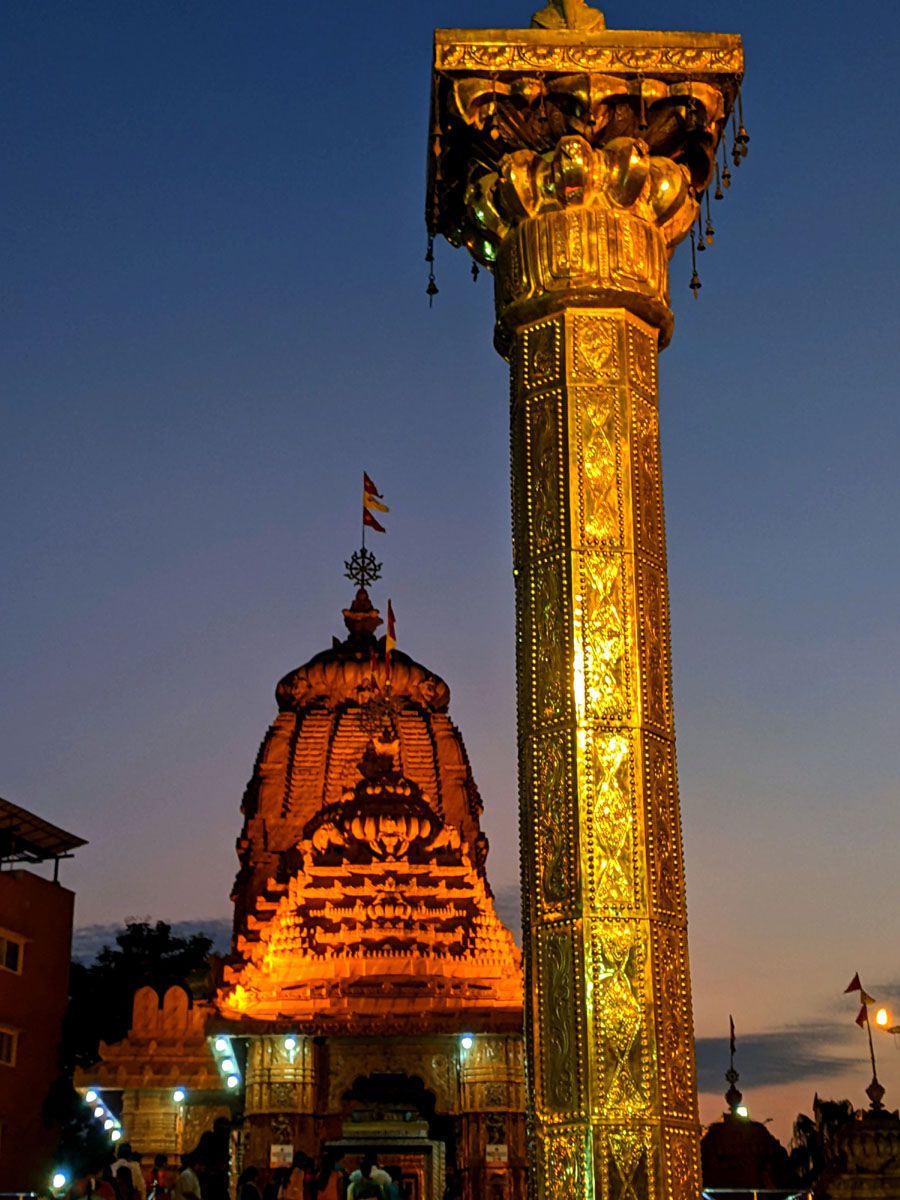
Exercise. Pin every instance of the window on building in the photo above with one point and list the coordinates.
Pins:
(8, 1040)
(11, 952)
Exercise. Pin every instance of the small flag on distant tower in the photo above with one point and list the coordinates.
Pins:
(373, 502)
(390, 640)
(854, 985)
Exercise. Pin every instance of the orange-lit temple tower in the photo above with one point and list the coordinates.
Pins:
(373, 998)
(570, 160)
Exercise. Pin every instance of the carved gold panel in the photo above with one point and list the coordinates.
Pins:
(653, 644)
(610, 823)
(642, 359)
(544, 476)
(647, 481)
(558, 1016)
(628, 1161)
(682, 1164)
(623, 1086)
(564, 1157)
(553, 826)
(541, 355)
(606, 585)
(665, 865)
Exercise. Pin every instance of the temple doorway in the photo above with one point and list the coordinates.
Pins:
(393, 1116)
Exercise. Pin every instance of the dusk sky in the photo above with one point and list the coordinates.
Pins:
(214, 319)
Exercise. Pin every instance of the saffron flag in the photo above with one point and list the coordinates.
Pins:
(862, 1016)
(731, 1023)
(373, 502)
(390, 640)
(854, 985)
(865, 998)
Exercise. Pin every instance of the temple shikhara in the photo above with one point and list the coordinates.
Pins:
(373, 998)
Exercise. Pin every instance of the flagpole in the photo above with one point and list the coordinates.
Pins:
(363, 518)
(871, 1047)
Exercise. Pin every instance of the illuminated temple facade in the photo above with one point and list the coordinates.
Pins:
(373, 998)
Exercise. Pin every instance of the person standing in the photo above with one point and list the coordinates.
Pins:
(126, 1159)
(247, 1187)
(123, 1184)
(187, 1185)
(330, 1182)
(297, 1185)
(369, 1181)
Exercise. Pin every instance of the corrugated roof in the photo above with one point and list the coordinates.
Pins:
(25, 837)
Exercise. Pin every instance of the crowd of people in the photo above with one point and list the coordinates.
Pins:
(304, 1179)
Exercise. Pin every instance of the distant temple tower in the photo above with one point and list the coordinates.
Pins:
(570, 160)
(373, 999)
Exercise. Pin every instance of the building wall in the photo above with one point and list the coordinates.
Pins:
(32, 1004)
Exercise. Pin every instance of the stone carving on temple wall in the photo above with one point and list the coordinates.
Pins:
(386, 911)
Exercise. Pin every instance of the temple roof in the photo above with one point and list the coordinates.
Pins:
(354, 670)
(362, 898)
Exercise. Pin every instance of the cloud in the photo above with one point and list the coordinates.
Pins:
(89, 940)
(811, 1050)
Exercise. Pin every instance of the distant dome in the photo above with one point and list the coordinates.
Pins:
(739, 1153)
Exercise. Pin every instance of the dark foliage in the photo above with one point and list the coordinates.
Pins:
(101, 995)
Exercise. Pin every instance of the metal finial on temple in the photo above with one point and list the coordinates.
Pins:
(362, 568)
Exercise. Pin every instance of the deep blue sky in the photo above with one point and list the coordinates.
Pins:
(214, 319)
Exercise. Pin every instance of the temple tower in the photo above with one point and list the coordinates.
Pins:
(570, 161)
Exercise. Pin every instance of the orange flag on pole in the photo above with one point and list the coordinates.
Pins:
(373, 502)
(862, 1016)
(854, 985)
(390, 640)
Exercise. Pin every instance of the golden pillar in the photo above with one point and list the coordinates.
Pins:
(570, 160)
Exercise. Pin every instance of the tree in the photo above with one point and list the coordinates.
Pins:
(101, 995)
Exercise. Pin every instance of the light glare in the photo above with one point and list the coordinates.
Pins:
(221, 1044)
(178, 1095)
(227, 1065)
(232, 1081)
(882, 1017)
(59, 1179)
(467, 1041)
(91, 1096)
(98, 1111)
(742, 1110)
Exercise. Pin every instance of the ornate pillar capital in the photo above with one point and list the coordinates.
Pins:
(580, 225)
(570, 160)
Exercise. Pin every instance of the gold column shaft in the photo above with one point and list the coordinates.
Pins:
(608, 1014)
(570, 160)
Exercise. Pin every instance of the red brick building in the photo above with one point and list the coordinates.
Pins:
(35, 949)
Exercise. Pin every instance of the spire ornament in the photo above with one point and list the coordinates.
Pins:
(362, 568)
(569, 14)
